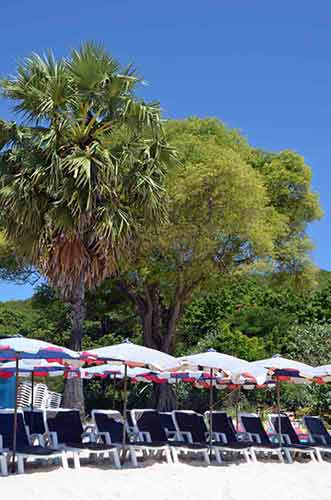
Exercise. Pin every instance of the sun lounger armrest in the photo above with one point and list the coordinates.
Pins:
(171, 434)
(242, 436)
(254, 437)
(145, 436)
(220, 437)
(185, 436)
(1, 442)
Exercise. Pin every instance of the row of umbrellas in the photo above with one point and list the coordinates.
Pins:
(41, 359)
(21, 356)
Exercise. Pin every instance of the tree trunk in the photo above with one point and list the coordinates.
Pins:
(159, 324)
(73, 396)
(164, 397)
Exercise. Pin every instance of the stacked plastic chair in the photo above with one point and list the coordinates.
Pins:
(42, 397)
(24, 395)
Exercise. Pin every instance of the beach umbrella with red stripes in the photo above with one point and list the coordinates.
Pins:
(20, 348)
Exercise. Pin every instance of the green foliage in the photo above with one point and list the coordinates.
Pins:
(220, 220)
(250, 306)
(311, 342)
(228, 341)
(83, 171)
(288, 181)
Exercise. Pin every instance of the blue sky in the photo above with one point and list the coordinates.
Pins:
(261, 66)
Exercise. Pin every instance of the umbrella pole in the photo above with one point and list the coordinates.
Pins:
(32, 402)
(237, 407)
(125, 404)
(278, 410)
(211, 405)
(32, 390)
(177, 406)
(13, 464)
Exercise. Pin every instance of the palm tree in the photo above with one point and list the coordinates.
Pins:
(81, 172)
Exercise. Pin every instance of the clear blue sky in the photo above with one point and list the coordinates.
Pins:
(261, 66)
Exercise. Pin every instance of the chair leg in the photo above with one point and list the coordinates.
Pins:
(168, 455)
(319, 455)
(206, 457)
(3, 466)
(75, 456)
(250, 456)
(218, 456)
(133, 456)
(116, 459)
(174, 455)
(280, 456)
(288, 455)
(64, 460)
(313, 457)
(20, 464)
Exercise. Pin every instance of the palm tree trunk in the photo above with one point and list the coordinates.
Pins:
(73, 396)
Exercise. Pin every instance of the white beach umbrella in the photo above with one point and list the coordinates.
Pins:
(230, 366)
(18, 348)
(13, 348)
(113, 370)
(225, 364)
(323, 373)
(133, 355)
(283, 369)
(130, 356)
(26, 367)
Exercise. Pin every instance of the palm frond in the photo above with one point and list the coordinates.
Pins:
(81, 178)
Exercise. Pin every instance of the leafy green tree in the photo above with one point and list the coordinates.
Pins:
(288, 181)
(81, 174)
(234, 210)
(220, 222)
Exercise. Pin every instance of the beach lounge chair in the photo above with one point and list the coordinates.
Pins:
(225, 434)
(257, 435)
(290, 439)
(191, 426)
(66, 430)
(148, 426)
(35, 421)
(24, 449)
(318, 435)
(109, 425)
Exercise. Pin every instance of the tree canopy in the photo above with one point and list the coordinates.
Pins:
(233, 210)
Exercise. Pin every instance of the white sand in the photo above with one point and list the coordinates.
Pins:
(263, 481)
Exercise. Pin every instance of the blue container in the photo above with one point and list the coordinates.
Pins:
(7, 392)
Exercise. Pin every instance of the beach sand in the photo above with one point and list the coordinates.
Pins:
(159, 481)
